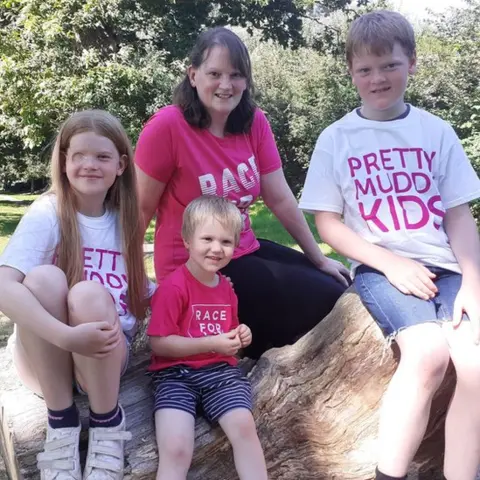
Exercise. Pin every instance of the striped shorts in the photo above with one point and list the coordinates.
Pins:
(212, 390)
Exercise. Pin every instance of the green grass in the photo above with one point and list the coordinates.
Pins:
(264, 224)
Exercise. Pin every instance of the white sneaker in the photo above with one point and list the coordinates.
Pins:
(105, 457)
(60, 459)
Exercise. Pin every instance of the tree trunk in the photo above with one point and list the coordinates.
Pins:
(316, 410)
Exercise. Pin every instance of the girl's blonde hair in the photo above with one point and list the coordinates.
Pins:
(121, 197)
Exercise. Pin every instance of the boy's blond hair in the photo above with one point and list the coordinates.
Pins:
(205, 208)
(377, 32)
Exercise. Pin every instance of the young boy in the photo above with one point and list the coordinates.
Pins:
(400, 178)
(194, 335)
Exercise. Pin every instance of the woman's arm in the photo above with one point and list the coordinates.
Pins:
(280, 200)
(150, 192)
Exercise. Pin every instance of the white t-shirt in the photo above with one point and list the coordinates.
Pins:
(392, 182)
(36, 237)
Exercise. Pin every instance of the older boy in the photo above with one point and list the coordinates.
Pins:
(402, 182)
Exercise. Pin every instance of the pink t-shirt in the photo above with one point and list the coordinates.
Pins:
(186, 307)
(193, 162)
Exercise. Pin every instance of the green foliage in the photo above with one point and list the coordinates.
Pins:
(59, 56)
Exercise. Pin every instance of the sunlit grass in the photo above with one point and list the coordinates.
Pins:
(264, 224)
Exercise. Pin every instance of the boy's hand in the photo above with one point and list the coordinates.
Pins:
(95, 339)
(410, 277)
(245, 335)
(226, 343)
(468, 301)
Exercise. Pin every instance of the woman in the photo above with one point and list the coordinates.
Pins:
(214, 140)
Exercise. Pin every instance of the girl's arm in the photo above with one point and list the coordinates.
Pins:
(280, 200)
(19, 304)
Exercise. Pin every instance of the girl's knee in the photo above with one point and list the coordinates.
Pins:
(89, 301)
(47, 279)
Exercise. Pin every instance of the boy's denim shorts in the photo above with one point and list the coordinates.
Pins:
(394, 311)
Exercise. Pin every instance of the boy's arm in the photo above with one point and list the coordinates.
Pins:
(345, 241)
(409, 276)
(176, 346)
(462, 233)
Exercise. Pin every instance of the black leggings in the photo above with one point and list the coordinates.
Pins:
(281, 295)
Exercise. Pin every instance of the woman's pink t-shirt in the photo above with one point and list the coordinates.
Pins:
(193, 162)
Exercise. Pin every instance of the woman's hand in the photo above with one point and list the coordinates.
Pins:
(335, 269)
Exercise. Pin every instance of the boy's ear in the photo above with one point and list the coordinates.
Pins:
(412, 66)
(351, 74)
(185, 243)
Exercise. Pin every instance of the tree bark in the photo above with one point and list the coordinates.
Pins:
(316, 410)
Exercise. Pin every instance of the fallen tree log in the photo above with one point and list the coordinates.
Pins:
(316, 409)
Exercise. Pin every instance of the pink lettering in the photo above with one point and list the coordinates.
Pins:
(438, 211)
(401, 151)
(354, 164)
(396, 182)
(417, 178)
(96, 276)
(385, 160)
(114, 281)
(381, 187)
(370, 160)
(429, 159)
(373, 215)
(393, 212)
(402, 200)
(365, 189)
(85, 257)
(101, 251)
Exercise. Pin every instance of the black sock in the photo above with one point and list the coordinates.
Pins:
(381, 476)
(64, 418)
(110, 419)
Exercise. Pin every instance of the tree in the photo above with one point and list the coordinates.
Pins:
(120, 55)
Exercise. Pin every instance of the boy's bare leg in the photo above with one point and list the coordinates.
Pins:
(462, 427)
(406, 405)
(240, 429)
(175, 433)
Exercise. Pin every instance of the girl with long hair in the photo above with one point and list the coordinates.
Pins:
(73, 282)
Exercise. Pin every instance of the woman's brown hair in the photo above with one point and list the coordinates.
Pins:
(186, 97)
